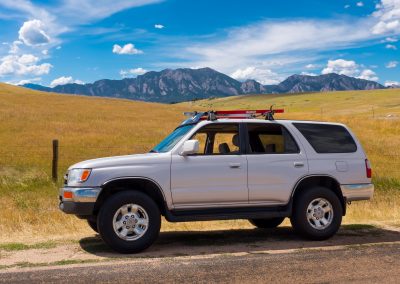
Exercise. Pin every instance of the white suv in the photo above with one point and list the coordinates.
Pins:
(223, 165)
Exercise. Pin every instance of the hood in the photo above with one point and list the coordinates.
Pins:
(117, 161)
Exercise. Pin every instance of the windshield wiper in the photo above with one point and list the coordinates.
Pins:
(153, 151)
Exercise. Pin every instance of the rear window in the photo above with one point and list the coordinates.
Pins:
(325, 138)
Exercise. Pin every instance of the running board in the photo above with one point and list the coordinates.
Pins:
(186, 215)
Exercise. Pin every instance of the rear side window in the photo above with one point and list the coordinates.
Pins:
(270, 138)
(325, 138)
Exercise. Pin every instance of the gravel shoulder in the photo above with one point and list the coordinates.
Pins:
(192, 244)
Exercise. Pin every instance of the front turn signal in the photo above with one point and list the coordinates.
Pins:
(67, 195)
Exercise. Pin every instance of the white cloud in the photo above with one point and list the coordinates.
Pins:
(392, 64)
(27, 81)
(368, 74)
(349, 68)
(278, 37)
(342, 67)
(64, 80)
(262, 75)
(26, 7)
(347, 6)
(25, 64)
(312, 66)
(391, 39)
(95, 9)
(159, 26)
(14, 47)
(33, 33)
(126, 49)
(391, 83)
(69, 12)
(360, 4)
(258, 44)
(309, 74)
(388, 15)
(28, 59)
(132, 72)
(391, 46)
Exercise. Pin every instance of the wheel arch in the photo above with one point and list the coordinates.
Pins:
(142, 184)
(319, 180)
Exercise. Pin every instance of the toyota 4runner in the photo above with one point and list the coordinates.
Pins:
(223, 165)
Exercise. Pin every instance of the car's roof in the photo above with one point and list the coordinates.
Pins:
(282, 121)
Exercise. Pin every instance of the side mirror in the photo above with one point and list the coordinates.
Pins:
(190, 147)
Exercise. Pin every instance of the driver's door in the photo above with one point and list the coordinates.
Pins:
(216, 175)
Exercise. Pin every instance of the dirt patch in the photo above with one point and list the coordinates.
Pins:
(173, 244)
(43, 256)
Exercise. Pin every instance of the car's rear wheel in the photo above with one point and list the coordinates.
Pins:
(92, 224)
(267, 223)
(317, 213)
(129, 221)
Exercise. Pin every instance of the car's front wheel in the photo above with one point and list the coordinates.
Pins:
(317, 213)
(267, 223)
(92, 224)
(129, 221)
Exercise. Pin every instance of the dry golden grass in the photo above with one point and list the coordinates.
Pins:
(94, 127)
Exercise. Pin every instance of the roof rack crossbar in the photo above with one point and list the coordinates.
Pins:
(211, 115)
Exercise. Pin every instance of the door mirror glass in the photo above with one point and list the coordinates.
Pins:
(190, 147)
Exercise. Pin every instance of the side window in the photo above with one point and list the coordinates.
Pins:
(202, 138)
(327, 138)
(218, 139)
(226, 143)
(270, 139)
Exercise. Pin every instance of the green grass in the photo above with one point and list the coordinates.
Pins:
(26, 264)
(22, 246)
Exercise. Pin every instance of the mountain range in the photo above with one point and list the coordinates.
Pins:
(184, 84)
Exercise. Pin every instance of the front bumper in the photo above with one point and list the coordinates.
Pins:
(355, 192)
(78, 201)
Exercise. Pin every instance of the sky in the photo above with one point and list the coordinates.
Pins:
(64, 41)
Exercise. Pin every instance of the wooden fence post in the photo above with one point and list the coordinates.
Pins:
(54, 167)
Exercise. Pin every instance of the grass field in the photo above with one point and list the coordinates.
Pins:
(94, 127)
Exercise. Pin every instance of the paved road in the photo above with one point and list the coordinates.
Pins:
(367, 264)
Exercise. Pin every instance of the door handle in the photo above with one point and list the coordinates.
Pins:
(234, 165)
(298, 164)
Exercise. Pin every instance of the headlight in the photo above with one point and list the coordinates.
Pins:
(78, 175)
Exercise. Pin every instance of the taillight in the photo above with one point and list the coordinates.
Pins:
(368, 168)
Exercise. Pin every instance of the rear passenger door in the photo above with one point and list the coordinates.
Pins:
(275, 163)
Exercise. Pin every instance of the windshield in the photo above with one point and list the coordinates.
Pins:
(170, 141)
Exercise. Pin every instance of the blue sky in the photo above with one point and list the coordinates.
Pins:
(63, 41)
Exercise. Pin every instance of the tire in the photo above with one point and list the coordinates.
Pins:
(267, 223)
(135, 209)
(305, 222)
(93, 225)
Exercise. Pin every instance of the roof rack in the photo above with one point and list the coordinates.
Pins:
(212, 115)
